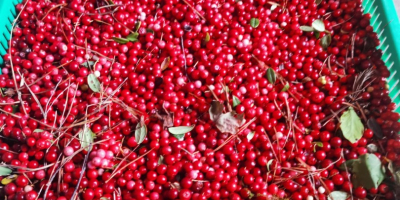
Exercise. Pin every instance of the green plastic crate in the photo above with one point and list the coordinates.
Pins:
(8, 14)
(386, 24)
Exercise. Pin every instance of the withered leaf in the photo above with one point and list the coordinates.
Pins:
(9, 179)
(369, 44)
(372, 148)
(168, 120)
(395, 174)
(375, 127)
(161, 160)
(216, 109)
(158, 82)
(207, 38)
(225, 122)
(165, 64)
(9, 92)
(306, 79)
(176, 185)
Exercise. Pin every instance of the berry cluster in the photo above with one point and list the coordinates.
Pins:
(183, 99)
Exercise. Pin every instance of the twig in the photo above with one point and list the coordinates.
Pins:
(122, 168)
(109, 6)
(33, 96)
(11, 63)
(27, 169)
(197, 12)
(235, 135)
(51, 9)
(82, 171)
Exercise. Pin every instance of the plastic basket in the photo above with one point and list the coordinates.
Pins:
(7, 16)
(386, 24)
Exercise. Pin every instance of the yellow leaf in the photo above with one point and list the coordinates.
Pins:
(9, 179)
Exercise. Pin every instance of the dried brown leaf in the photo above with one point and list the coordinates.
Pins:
(176, 185)
(216, 109)
(168, 120)
(158, 82)
(375, 127)
(9, 92)
(165, 64)
(225, 122)
(306, 79)
(360, 80)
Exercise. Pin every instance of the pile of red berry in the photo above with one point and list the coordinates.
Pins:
(208, 99)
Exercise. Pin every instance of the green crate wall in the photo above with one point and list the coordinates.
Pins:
(7, 16)
(386, 24)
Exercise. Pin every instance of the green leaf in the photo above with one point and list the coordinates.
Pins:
(348, 164)
(338, 195)
(317, 34)
(180, 131)
(15, 108)
(104, 198)
(133, 37)
(111, 2)
(367, 171)
(250, 135)
(269, 163)
(94, 83)
(4, 171)
(86, 137)
(307, 28)
(227, 90)
(254, 22)
(285, 88)
(180, 137)
(38, 130)
(351, 125)
(271, 76)
(317, 144)
(318, 2)
(235, 100)
(120, 40)
(88, 64)
(149, 30)
(273, 7)
(326, 41)
(207, 38)
(140, 132)
(137, 25)
(318, 25)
